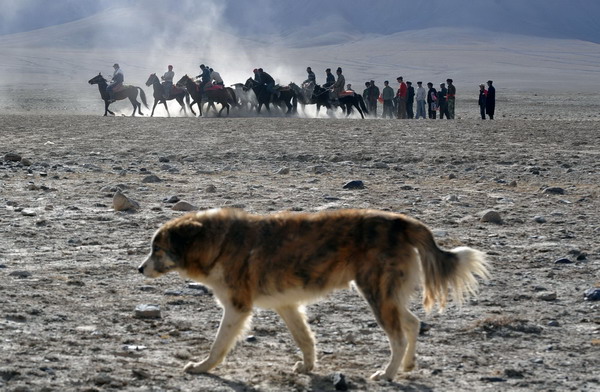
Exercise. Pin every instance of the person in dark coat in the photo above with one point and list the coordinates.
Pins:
(372, 98)
(330, 78)
(410, 100)
(490, 102)
(204, 76)
(431, 101)
(442, 101)
(482, 100)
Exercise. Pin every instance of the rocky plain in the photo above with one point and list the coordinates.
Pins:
(75, 315)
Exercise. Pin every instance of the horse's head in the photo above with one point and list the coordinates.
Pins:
(97, 79)
(249, 84)
(183, 81)
(151, 79)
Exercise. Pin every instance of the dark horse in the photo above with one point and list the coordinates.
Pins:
(346, 102)
(225, 96)
(318, 96)
(178, 94)
(128, 91)
(287, 96)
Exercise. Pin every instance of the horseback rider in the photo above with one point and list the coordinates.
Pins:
(117, 81)
(338, 86)
(268, 82)
(256, 75)
(311, 77)
(216, 77)
(204, 76)
(168, 82)
(330, 80)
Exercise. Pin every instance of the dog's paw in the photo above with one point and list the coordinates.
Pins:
(380, 375)
(408, 367)
(301, 367)
(196, 367)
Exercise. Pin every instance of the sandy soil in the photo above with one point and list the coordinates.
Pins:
(68, 260)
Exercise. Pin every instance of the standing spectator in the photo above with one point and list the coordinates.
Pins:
(482, 100)
(401, 96)
(387, 94)
(372, 98)
(366, 92)
(421, 97)
(442, 101)
(431, 101)
(490, 102)
(451, 98)
(410, 100)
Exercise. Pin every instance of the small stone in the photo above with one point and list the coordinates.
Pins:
(512, 184)
(283, 170)
(563, 260)
(381, 165)
(20, 274)
(339, 382)
(172, 199)
(553, 323)
(451, 176)
(184, 206)
(319, 169)
(355, 184)
(424, 327)
(163, 159)
(146, 311)
(28, 212)
(124, 203)
(554, 190)
(210, 189)
(26, 162)
(492, 216)
(453, 198)
(251, 339)
(547, 296)
(151, 179)
(539, 219)
(12, 156)
(592, 294)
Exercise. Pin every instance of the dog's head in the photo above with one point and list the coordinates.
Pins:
(188, 244)
(171, 246)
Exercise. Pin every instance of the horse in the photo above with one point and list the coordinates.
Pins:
(225, 96)
(128, 91)
(317, 96)
(246, 97)
(286, 96)
(346, 102)
(178, 94)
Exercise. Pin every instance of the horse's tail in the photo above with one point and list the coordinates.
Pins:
(361, 102)
(143, 97)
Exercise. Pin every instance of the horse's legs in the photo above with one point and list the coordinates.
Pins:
(360, 111)
(154, 107)
(166, 107)
(106, 107)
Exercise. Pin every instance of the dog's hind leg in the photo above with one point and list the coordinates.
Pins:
(295, 319)
(232, 324)
(410, 328)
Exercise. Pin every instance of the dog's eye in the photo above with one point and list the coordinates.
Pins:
(155, 248)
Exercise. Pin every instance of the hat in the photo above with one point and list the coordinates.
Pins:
(339, 69)
(255, 70)
(201, 65)
(170, 66)
(419, 82)
(482, 85)
(490, 82)
(328, 70)
(449, 80)
(116, 65)
(399, 78)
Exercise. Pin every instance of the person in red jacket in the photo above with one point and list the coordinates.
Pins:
(401, 95)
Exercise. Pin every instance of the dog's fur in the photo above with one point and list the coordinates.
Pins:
(285, 260)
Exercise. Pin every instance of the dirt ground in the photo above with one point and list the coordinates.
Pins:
(68, 260)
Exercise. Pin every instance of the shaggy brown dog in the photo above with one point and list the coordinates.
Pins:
(285, 260)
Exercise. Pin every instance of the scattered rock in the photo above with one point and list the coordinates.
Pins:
(424, 327)
(28, 212)
(26, 162)
(251, 339)
(453, 198)
(554, 190)
(319, 169)
(592, 294)
(355, 184)
(512, 184)
(163, 159)
(563, 260)
(151, 179)
(184, 206)
(539, 219)
(381, 165)
(124, 203)
(547, 296)
(283, 170)
(553, 323)
(492, 216)
(339, 382)
(12, 157)
(210, 189)
(20, 274)
(451, 176)
(147, 311)
(172, 199)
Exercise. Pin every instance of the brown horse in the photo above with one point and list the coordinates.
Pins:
(128, 91)
(177, 95)
(225, 96)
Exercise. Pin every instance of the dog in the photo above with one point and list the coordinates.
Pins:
(285, 260)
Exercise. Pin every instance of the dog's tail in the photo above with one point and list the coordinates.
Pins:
(441, 269)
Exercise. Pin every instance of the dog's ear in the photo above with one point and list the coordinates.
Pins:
(183, 234)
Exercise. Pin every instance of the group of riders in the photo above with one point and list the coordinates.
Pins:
(211, 78)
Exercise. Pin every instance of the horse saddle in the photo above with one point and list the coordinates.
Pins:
(119, 87)
(282, 88)
(214, 87)
(347, 93)
(176, 90)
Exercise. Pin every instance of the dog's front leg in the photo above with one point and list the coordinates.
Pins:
(295, 319)
(232, 324)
